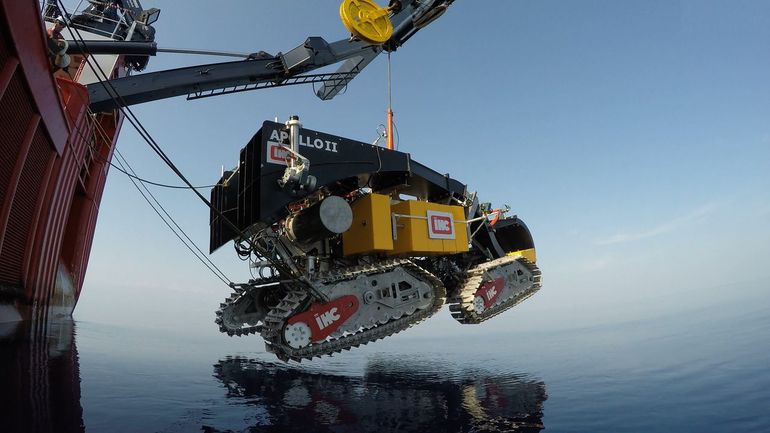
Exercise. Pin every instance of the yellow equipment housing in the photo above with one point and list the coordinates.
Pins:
(371, 230)
(417, 231)
(421, 228)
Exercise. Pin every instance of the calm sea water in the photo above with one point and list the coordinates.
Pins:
(704, 369)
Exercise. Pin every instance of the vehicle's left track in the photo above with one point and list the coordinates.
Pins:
(377, 317)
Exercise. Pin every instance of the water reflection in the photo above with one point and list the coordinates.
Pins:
(391, 396)
(40, 377)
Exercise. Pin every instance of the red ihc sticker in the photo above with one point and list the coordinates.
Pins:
(324, 319)
(276, 153)
(441, 225)
(490, 291)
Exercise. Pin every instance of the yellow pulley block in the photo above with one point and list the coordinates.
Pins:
(366, 20)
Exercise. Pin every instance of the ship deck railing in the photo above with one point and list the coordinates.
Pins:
(113, 21)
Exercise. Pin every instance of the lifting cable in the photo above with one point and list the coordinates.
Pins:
(392, 140)
(129, 115)
(390, 107)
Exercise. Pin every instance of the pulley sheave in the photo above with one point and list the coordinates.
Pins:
(366, 20)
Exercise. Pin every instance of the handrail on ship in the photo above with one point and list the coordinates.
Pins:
(50, 10)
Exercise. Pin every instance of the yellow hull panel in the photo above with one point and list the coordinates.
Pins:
(528, 254)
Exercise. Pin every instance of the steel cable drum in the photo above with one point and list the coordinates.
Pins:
(366, 20)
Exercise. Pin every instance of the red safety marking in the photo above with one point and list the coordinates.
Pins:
(490, 290)
(497, 213)
(324, 319)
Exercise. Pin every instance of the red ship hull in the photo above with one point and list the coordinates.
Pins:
(53, 168)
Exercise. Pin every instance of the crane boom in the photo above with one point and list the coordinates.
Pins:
(264, 70)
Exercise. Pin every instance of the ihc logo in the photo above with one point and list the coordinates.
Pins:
(491, 293)
(325, 319)
(277, 154)
(440, 225)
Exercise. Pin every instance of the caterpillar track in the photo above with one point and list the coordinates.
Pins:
(244, 311)
(522, 280)
(272, 325)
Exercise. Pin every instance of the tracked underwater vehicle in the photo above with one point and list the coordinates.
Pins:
(351, 242)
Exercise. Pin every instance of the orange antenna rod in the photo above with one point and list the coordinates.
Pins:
(390, 109)
(390, 129)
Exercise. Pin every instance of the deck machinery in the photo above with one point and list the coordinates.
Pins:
(351, 243)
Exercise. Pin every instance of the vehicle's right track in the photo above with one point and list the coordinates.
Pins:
(528, 283)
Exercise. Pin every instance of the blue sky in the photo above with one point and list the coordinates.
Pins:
(632, 137)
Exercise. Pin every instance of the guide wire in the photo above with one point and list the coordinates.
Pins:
(134, 121)
(149, 182)
(220, 275)
(98, 129)
(125, 167)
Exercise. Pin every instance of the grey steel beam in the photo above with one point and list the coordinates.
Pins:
(349, 70)
(112, 47)
(176, 82)
(314, 53)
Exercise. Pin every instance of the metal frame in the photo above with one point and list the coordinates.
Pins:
(267, 71)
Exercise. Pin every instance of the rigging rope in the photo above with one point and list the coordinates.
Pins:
(149, 182)
(134, 121)
(98, 129)
(102, 77)
(202, 258)
(124, 163)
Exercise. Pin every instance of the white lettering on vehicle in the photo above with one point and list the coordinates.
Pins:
(279, 138)
(442, 225)
(325, 319)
